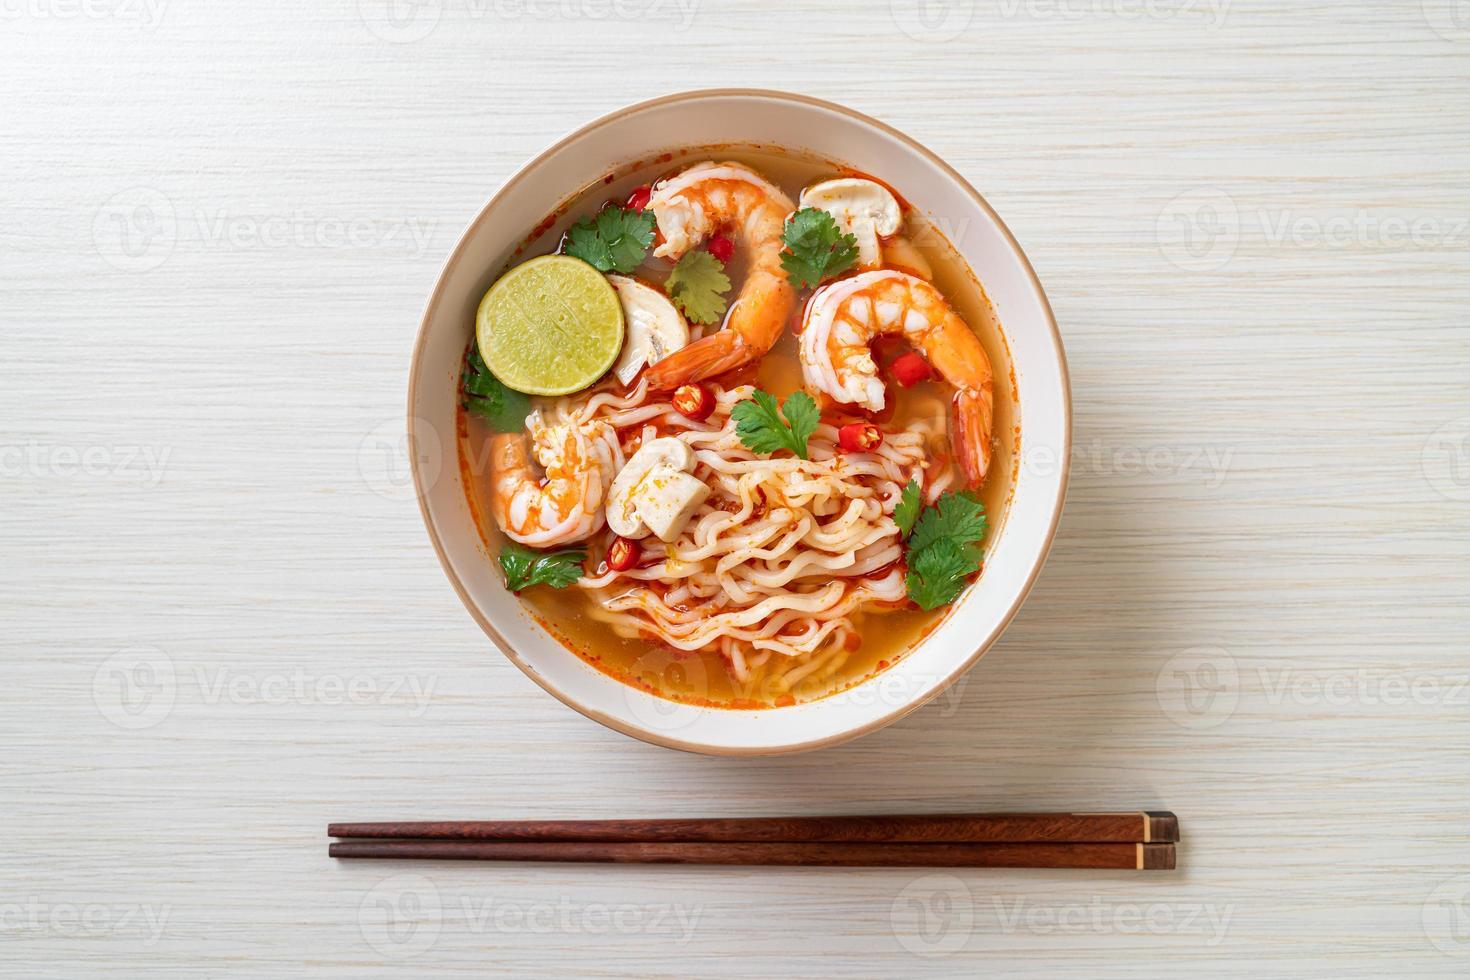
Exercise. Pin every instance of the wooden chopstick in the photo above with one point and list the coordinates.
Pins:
(1138, 827)
(1121, 856)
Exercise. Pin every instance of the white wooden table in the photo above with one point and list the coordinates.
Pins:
(222, 625)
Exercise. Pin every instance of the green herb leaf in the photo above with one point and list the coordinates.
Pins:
(909, 505)
(697, 285)
(762, 429)
(937, 573)
(944, 548)
(615, 240)
(505, 409)
(816, 247)
(524, 567)
(957, 516)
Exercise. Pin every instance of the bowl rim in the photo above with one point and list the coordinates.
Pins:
(421, 492)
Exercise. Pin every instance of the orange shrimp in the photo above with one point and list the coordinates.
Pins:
(689, 207)
(844, 317)
(565, 504)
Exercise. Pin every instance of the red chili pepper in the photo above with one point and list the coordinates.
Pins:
(623, 555)
(909, 369)
(694, 402)
(638, 200)
(859, 437)
(886, 348)
(720, 247)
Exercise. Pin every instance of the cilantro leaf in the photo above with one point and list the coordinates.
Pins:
(944, 547)
(909, 505)
(816, 247)
(697, 285)
(762, 429)
(614, 240)
(524, 568)
(937, 573)
(956, 516)
(505, 409)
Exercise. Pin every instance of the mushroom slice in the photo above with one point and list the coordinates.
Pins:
(655, 328)
(865, 208)
(654, 491)
(668, 499)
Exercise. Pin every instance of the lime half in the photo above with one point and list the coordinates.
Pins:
(550, 326)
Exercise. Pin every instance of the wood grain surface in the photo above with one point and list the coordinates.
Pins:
(224, 626)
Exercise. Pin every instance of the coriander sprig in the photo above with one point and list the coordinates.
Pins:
(762, 429)
(503, 409)
(943, 544)
(910, 503)
(816, 248)
(697, 286)
(524, 568)
(614, 240)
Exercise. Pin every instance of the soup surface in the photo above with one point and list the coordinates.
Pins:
(876, 633)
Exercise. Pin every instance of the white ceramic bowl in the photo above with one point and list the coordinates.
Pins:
(707, 118)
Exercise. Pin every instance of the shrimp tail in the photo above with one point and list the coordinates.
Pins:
(705, 358)
(973, 414)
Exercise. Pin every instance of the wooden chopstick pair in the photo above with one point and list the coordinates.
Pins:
(1139, 841)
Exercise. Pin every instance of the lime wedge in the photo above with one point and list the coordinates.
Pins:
(550, 326)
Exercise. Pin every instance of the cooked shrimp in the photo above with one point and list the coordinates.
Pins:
(693, 205)
(565, 504)
(844, 317)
